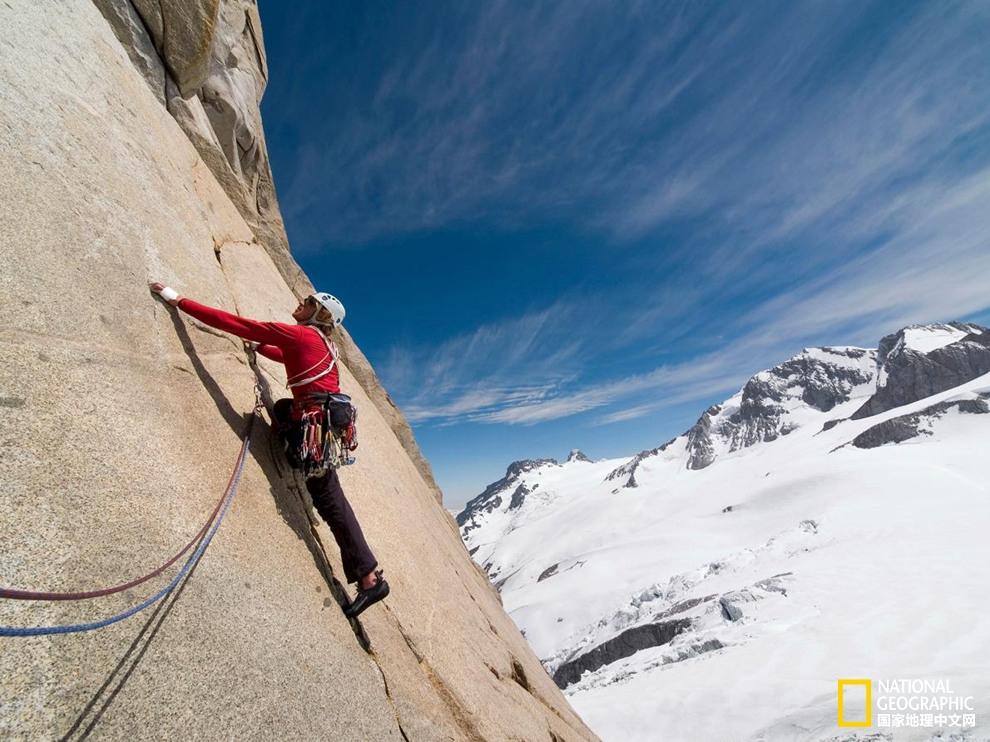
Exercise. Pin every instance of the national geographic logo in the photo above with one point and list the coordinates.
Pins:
(855, 692)
(903, 702)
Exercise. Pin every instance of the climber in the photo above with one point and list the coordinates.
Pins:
(310, 358)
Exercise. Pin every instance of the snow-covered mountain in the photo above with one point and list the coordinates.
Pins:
(828, 521)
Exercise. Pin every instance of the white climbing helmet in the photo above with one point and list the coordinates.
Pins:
(332, 304)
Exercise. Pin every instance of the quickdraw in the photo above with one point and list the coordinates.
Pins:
(327, 435)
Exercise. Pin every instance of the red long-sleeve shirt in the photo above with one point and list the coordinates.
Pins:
(300, 347)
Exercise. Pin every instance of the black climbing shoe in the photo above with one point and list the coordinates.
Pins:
(367, 598)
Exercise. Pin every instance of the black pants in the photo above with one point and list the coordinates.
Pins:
(332, 505)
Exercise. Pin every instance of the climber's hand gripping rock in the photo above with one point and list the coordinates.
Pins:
(168, 294)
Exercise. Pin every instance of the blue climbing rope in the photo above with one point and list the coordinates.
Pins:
(75, 628)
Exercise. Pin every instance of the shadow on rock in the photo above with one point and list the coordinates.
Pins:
(232, 417)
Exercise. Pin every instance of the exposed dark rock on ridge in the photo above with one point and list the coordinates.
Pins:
(909, 375)
(618, 647)
(906, 427)
(730, 611)
(491, 498)
(518, 497)
(701, 451)
(821, 378)
(629, 469)
(820, 382)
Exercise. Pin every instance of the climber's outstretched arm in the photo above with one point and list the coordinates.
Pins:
(266, 333)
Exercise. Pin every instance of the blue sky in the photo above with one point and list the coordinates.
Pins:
(578, 224)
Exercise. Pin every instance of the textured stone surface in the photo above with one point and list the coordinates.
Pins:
(183, 33)
(131, 31)
(218, 108)
(206, 61)
(730, 611)
(519, 497)
(120, 421)
(699, 439)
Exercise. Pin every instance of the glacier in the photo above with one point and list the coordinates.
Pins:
(828, 521)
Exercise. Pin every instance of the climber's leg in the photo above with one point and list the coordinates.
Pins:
(332, 505)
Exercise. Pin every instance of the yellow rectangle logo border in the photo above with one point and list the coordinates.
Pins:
(868, 684)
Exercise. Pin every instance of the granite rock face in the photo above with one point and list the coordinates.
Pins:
(907, 374)
(131, 29)
(121, 419)
(205, 61)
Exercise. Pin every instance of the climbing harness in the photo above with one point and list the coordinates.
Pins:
(294, 381)
(327, 435)
(203, 537)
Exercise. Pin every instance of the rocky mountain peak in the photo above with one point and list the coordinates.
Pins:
(576, 454)
(521, 467)
(920, 360)
(611, 628)
(924, 338)
(910, 364)
(491, 498)
(816, 378)
(764, 409)
(628, 470)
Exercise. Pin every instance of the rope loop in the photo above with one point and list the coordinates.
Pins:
(203, 538)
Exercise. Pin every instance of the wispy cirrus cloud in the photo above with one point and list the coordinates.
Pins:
(627, 116)
(933, 265)
(516, 362)
(499, 108)
(788, 174)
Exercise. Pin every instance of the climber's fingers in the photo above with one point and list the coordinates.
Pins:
(168, 294)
